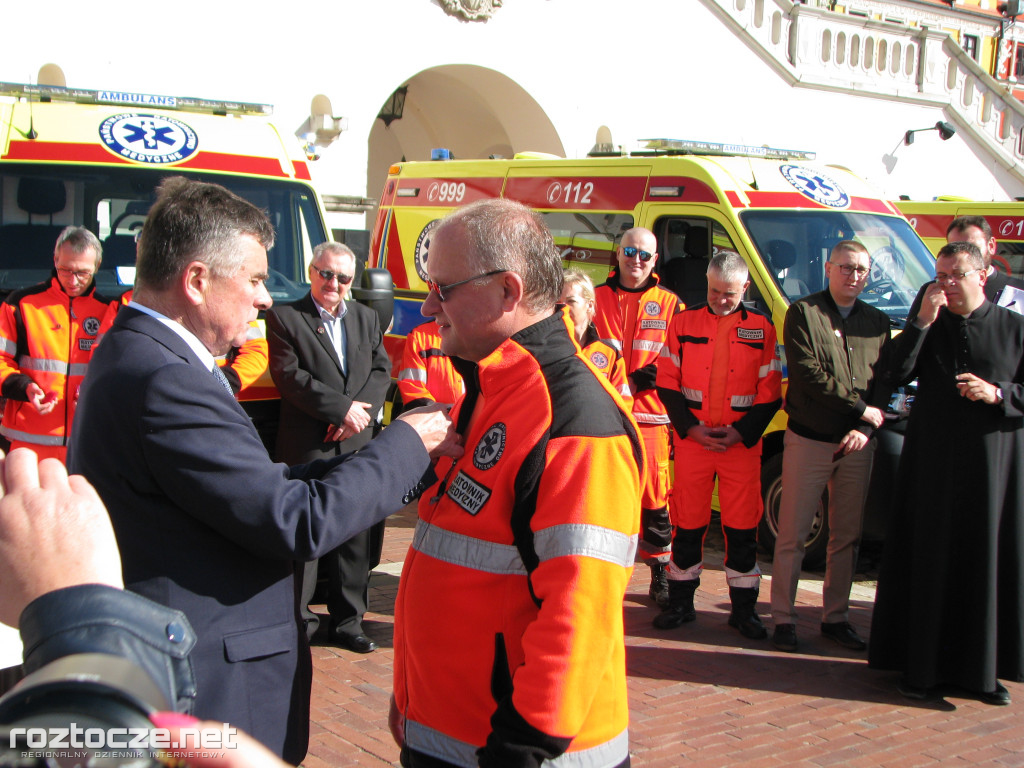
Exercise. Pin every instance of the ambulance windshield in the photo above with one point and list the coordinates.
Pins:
(795, 244)
(36, 203)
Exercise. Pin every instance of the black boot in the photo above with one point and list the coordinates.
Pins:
(680, 605)
(659, 585)
(744, 613)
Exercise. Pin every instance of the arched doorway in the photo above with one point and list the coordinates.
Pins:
(473, 111)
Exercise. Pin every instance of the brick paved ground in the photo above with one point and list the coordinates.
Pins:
(701, 695)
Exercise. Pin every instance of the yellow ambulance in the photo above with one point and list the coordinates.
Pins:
(778, 208)
(932, 218)
(93, 158)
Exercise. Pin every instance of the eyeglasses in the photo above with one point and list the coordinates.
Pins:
(81, 274)
(955, 277)
(849, 269)
(630, 252)
(441, 290)
(327, 275)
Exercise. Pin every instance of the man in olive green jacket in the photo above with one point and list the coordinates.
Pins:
(833, 341)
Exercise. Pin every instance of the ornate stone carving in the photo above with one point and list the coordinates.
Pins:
(471, 10)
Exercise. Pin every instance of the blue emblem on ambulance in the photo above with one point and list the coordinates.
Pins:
(816, 185)
(148, 139)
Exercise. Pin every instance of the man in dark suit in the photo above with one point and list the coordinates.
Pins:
(328, 361)
(205, 522)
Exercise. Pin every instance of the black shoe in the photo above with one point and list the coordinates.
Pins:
(784, 637)
(1000, 697)
(358, 643)
(910, 691)
(844, 634)
(659, 585)
(749, 626)
(675, 617)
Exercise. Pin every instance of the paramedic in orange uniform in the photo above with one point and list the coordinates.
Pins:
(721, 382)
(47, 332)
(509, 645)
(633, 313)
(578, 297)
(427, 374)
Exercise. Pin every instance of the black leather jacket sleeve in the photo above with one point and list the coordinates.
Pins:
(93, 618)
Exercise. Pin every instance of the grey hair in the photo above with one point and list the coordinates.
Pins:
(79, 239)
(729, 266)
(197, 221)
(329, 247)
(508, 236)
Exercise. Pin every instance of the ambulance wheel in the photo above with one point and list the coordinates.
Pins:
(771, 491)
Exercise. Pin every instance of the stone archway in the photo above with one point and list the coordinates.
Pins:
(473, 111)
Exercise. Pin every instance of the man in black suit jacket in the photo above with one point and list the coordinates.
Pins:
(328, 361)
(205, 522)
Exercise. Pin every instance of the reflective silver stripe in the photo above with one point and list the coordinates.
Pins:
(44, 365)
(255, 332)
(624, 391)
(615, 344)
(742, 401)
(646, 344)
(571, 539)
(764, 370)
(28, 437)
(584, 540)
(425, 739)
(413, 374)
(743, 580)
(432, 742)
(650, 418)
(674, 358)
(693, 394)
(8, 347)
(458, 549)
(613, 752)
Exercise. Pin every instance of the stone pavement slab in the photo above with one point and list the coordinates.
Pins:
(702, 694)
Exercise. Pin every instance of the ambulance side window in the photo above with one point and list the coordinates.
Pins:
(686, 245)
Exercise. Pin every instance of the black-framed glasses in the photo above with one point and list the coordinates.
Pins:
(630, 252)
(441, 290)
(327, 275)
(849, 269)
(953, 277)
(78, 274)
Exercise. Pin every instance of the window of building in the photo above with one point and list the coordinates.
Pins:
(1018, 67)
(970, 45)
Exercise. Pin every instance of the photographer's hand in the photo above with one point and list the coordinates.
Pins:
(54, 533)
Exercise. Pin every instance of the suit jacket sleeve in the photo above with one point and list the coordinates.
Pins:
(206, 458)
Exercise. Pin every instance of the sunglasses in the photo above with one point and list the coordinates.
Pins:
(629, 252)
(327, 275)
(441, 290)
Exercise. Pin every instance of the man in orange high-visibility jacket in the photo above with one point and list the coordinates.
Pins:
(633, 312)
(508, 623)
(721, 382)
(47, 332)
(427, 374)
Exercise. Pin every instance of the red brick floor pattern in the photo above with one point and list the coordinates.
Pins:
(701, 695)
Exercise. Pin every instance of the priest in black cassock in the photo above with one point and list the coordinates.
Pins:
(949, 611)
